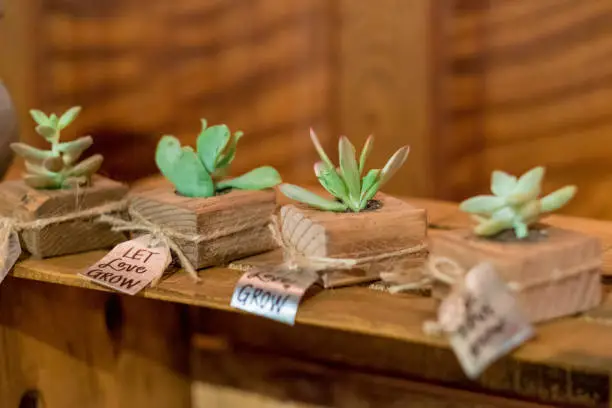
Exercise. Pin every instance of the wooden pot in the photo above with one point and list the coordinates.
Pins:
(554, 275)
(231, 226)
(395, 226)
(24, 203)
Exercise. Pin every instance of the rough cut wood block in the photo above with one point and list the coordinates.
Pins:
(558, 272)
(394, 226)
(25, 203)
(232, 225)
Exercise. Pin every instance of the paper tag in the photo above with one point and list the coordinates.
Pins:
(11, 252)
(483, 320)
(274, 294)
(130, 266)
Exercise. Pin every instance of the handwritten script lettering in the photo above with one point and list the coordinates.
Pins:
(274, 294)
(492, 325)
(130, 266)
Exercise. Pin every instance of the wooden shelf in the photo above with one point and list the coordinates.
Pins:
(572, 354)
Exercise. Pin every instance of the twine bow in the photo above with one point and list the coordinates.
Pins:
(296, 260)
(167, 236)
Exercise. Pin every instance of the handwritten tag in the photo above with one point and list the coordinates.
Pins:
(10, 254)
(483, 320)
(274, 293)
(131, 266)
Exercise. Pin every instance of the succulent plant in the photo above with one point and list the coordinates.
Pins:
(199, 173)
(58, 167)
(515, 203)
(345, 183)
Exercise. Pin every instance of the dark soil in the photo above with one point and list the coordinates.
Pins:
(372, 205)
(537, 233)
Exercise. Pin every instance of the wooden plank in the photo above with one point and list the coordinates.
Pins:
(568, 362)
(64, 347)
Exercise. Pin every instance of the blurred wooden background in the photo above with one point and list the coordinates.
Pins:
(471, 85)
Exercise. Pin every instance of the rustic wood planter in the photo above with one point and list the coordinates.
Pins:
(24, 203)
(393, 227)
(232, 225)
(557, 272)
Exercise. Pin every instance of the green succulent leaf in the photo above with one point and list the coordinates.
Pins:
(365, 152)
(331, 181)
(350, 170)
(211, 142)
(257, 179)
(38, 170)
(557, 199)
(306, 197)
(181, 166)
(45, 182)
(502, 184)
(47, 132)
(53, 121)
(528, 186)
(520, 229)
(225, 159)
(73, 150)
(369, 186)
(30, 153)
(54, 164)
(87, 167)
(394, 164)
(39, 117)
(68, 117)
(491, 227)
(483, 204)
(319, 148)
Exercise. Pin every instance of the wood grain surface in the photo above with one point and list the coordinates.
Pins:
(358, 328)
(527, 83)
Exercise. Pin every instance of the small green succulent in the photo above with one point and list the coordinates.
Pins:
(515, 204)
(58, 167)
(346, 184)
(199, 174)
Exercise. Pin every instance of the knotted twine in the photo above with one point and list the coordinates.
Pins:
(453, 275)
(166, 235)
(10, 225)
(295, 260)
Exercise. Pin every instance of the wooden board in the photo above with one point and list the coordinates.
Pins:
(568, 362)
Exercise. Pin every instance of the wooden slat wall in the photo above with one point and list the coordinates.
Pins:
(527, 83)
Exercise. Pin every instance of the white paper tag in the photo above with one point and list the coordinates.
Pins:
(483, 320)
(274, 293)
(130, 266)
(11, 253)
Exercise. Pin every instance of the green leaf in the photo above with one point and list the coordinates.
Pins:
(306, 197)
(54, 164)
(331, 181)
(350, 171)
(42, 182)
(502, 184)
(37, 170)
(394, 164)
(521, 230)
(30, 153)
(211, 142)
(257, 179)
(369, 186)
(68, 117)
(73, 150)
(53, 121)
(365, 152)
(47, 132)
(319, 148)
(227, 157)
(491, 227)
(181, 166)
(528, 187)
(87, 167)
(39, 117)
(483, 204)
(557, 199)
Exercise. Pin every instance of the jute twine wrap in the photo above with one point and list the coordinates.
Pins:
(9, 225)
(296, 260)
(448, 272)
(166, 235)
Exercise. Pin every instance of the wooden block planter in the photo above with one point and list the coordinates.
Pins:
(24, 203)
(555, 272)
(394, 226)
(232, 225)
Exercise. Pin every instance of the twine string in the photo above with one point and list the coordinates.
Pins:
(296, 260)
(166, 235)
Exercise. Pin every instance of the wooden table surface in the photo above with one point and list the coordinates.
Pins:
(569, 361)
